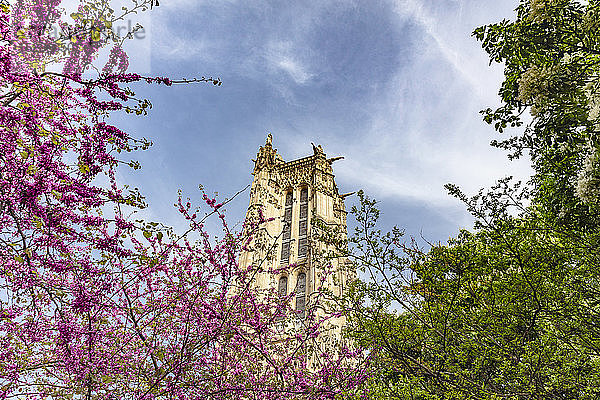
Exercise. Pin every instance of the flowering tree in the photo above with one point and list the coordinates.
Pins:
(93, 304)
(551, 55)
(510, 309)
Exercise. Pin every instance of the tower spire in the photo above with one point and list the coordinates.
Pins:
(267, 156)
(297, 198)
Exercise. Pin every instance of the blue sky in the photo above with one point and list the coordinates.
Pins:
(393, 86)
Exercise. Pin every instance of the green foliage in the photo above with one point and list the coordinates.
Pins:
(510, 310)
(551, 54)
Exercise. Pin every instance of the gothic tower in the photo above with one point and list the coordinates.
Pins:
(301, 198)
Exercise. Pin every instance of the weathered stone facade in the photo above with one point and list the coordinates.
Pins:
(301, 197)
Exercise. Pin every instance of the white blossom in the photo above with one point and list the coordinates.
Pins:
(533, 87)
(587, 187)
(592, 92)
(539, 9)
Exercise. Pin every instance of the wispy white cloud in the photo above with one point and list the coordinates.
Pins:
(425, 130)
(281, 61)
(276, 52)
(169, 45)
(450, 29)
(295, 70)
(396, 89)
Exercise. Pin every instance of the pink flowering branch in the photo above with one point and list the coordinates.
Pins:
(94, 304)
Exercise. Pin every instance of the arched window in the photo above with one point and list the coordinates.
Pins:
(287, 228)
(282, 289)
(303, 224)
(301, 294)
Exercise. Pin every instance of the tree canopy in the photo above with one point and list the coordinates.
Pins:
(510, 309)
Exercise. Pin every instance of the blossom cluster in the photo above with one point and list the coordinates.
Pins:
(587, 187)
(534, 86)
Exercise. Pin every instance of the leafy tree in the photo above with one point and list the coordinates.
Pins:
(511, 309)
(94, 304)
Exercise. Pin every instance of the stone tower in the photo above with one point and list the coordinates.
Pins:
(302, 198)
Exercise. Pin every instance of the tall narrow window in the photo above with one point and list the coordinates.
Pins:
(282, 289)
(287, 228)
(303, 225)
(301, 294)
